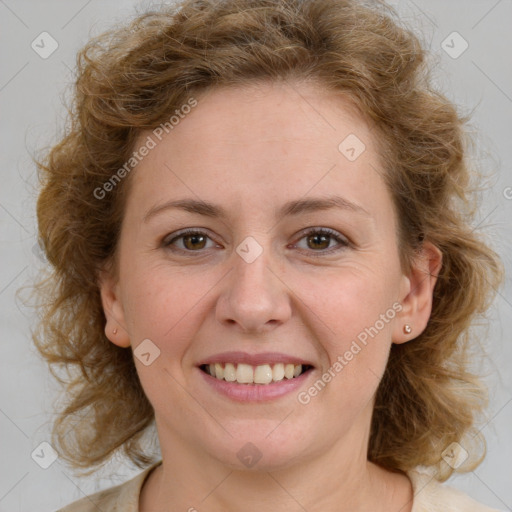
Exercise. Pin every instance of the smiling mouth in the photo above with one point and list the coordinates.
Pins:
(247, 374)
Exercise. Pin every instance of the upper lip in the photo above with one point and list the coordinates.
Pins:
(255, 359)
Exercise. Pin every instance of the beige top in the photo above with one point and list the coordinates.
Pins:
(429, 496)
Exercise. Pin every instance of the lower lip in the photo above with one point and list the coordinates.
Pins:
(256, 392)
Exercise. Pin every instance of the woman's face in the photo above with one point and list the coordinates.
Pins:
(294, 259)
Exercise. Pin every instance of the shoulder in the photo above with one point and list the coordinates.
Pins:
(432, 496)
(120, 498)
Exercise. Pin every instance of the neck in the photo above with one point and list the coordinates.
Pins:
(188, 479)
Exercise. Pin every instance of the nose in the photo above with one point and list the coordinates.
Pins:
(254, 298)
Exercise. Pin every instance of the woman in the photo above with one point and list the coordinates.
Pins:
(258, 222)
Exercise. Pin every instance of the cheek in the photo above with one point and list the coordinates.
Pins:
(350, 300)
(355, 309)
(161, 305)
(167, 315)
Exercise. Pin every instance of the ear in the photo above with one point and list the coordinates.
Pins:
(417, 294)
(115, 327)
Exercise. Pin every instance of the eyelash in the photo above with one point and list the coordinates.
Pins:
(342, 241)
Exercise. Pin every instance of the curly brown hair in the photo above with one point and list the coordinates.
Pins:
(132, 78)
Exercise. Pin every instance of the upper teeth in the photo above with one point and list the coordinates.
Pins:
(247, 374)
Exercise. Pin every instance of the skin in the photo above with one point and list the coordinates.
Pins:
(250, 150)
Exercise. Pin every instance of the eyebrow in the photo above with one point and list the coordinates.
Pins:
(288, 209)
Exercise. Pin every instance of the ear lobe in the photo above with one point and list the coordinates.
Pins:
(418, 297)
(115, 327)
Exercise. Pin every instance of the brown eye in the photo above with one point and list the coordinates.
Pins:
(188, 241)
(192, 242)
(322, 241)
(319, 241)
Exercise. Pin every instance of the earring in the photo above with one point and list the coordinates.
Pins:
(115, 331)
(407, 329)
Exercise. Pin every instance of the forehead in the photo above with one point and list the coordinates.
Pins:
(267, 140)
(265, 113)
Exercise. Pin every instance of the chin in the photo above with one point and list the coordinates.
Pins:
(256, 450)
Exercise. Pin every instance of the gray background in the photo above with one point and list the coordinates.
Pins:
(31, 93)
